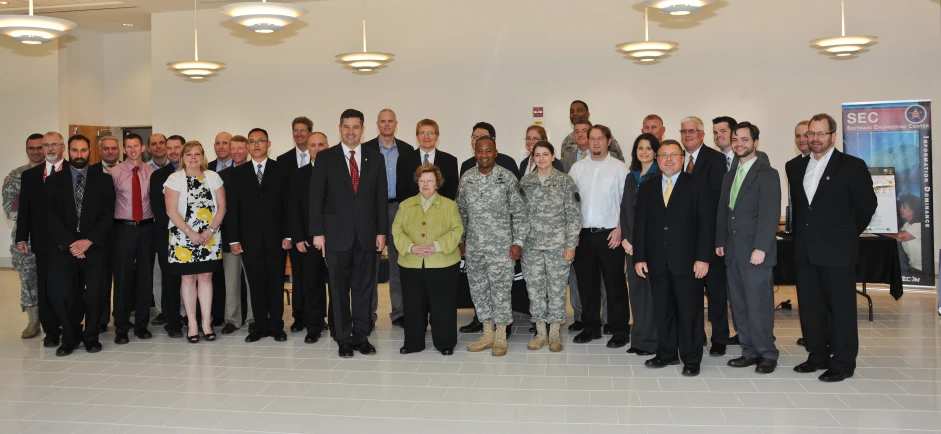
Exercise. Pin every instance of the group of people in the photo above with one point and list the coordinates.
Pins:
(648, 236)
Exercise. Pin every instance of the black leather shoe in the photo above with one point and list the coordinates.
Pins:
(173, 333)
(830, 376)
(475, 326)
(734, 340)
(576, 326)
(251, 328)
(638, 352)
(365, 348)
(50, 341)
(808, 367)
(159, 319)
(690, 370)
(93, 346)
(657, 362)
(617, 342)
(405, 350)
(255, 336)
(717, 350)
(400, 321)
(800, 341)
(143, 334)
(298, 326)
(102, 328)
(766, 366)
(447, 352)
(229, 329)
(743, 362)
(279, 336)
(585, 336)
(311, 338)
(121, 338)
(64, 350)
(346, 351)
(607, 330)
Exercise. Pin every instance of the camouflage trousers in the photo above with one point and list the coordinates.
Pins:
(490, 277)
(25, 265)
(546, 273)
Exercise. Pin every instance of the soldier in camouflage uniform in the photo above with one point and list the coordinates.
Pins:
(25, 265)
(579, 110)
(555, 220)
(495, 223)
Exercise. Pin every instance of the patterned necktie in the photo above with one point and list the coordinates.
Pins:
(303, 160)
(736, 185)
(259, 174)
(426, 159)
(79, 195)
(584, 154)
(689, 167)
(728, 163)
(354, 172)
(668, 192)
(137, 203)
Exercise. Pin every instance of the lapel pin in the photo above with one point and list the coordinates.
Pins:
(828, 178)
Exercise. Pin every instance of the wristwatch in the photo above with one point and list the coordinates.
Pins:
(213, 230)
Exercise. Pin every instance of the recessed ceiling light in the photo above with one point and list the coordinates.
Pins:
(3, 3)
(127, 25)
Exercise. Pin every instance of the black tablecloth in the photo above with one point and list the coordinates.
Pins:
(878, 263)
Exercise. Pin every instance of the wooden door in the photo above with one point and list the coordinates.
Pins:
(93, 133)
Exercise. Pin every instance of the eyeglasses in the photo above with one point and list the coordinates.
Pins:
(301, 131)
(598, 139)
(812, 134)
(533, 139)
(426, 181)
(51, 144)
(670, 156)
(427, 134)
(684, 132)
(476, 138)
(257, 142)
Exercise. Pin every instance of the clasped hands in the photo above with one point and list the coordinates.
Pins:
(199, 238)
(423, 251)
(78, 248)
(757, 256)
(700, 269)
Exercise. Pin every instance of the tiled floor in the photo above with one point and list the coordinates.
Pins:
(169, 386)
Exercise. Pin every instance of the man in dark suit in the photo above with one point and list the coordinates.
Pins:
(299, 156)
(708, 166)
(258, 204)
(224, 160)
(833, 203)
(427, 152)
(801, 142)
(349, 221)
(223, 148)
(484, 129)
(674, 238)
(166, 285)
(81, 214)
(747, 221)
(31, 228)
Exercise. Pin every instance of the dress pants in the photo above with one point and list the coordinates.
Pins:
(827, 299)
(314, 291)
(265, 272)
(158, 280)
(594, 263)
(576, 301)
(717, 294)
(644, 329)
(395, 281)
(297, 284)
(751, 291)
(130, 245)
(434, 291)
(69, 300)
(47, 316)
(107, 295)
(218, 295)
(351, 288)
(169, 284)
(234, 270)
(677, 301)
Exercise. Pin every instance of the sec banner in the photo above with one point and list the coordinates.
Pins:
(898, 135)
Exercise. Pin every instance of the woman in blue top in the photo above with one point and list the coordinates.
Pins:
(643, 167)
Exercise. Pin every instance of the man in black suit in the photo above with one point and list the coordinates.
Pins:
(674, 237)
(427, 151)
(349, 221)
(708, 167)
(166, 285)
(81, 214)
(484, 129)
(223, 147)
(258, 198)
(224, 160)
(299, 156)
(833, 203)
(31, 228)
(801, 142)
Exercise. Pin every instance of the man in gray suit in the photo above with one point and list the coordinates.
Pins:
(747, 220)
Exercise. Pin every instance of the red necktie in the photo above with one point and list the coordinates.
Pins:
(137, 204)
(354, 172)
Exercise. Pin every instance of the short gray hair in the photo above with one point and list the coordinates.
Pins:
(102, 140)
(693, 119)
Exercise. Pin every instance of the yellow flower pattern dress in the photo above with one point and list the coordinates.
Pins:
(185, 257)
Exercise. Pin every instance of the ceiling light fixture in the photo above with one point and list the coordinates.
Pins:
(365, 61)
(647, 51)
(33, 29)
(263, 17)
(843, 47)
(127, 25)
(196, 69)
(677, 7)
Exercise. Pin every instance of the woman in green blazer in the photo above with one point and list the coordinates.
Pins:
(427, 230)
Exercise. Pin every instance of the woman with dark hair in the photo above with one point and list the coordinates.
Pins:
(551, 200)
(909, 235)
(535, 134)
(643, 166)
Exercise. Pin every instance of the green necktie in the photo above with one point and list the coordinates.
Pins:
(736, 185)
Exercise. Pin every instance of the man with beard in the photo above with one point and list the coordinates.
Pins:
(579, 110)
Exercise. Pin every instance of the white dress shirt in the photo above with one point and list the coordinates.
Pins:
(729, 157)
(600, 186)
(264, 165)
(358, 156)
(813, 174)
(691, 156)
(431, 155)
(297, 155)
(663, 182)
(53, 168)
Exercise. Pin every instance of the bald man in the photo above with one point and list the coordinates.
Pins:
(223, 152)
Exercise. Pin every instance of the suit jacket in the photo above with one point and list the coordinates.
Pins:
(673, 237)
(34, 205)
(753, 224)
(629, 202)
(440, 224)
(762, 158)
(256, 215)
(403, 146)
(226, 176)
(213, 166)
(159, 207)
(97, 213)
(338, 213)
(709, 168)
(405, 185)
(557, 164)
(299, 204)
(826, 230)
(289, 159)
(505, 161)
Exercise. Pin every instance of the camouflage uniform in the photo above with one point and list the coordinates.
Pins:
(24, 264)
(494, 220)
(569, 146)
(555, 220)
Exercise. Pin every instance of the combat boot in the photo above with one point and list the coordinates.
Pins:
(499, 341)
(539, 340)
(555, 342)
(32, 329)
(485, 342)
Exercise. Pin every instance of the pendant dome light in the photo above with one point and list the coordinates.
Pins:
(263, 17)
(196, 69)
(677, 7)
(647, 51)
(365, 61)
(33, 29)
(843, 47)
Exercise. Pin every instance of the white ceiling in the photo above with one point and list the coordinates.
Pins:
(109, 16)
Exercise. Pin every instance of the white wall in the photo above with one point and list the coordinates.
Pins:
(127, 74)
(82, 62)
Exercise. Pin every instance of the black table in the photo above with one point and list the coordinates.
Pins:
(878, 263)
